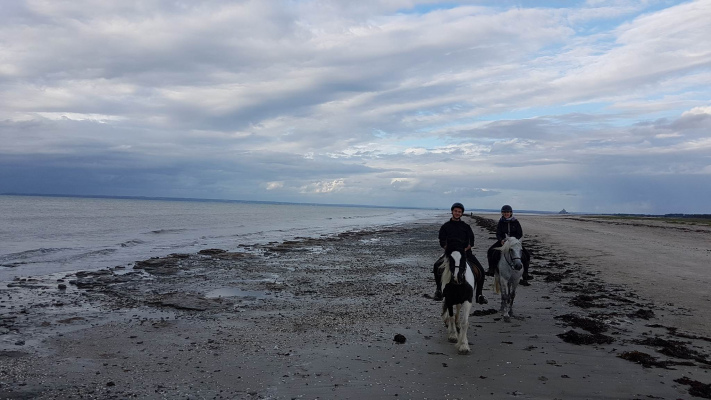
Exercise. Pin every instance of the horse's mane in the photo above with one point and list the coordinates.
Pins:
(509, 243)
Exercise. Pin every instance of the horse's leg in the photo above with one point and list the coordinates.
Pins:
(514, 285)
(502, 289)
(445, 314)
(505, 301)
(448, 317)
(451, 330)
(479, 277)
(463, 342)
(457, 320)
(511, 301)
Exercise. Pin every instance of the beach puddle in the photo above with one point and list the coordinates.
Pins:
(236, 292)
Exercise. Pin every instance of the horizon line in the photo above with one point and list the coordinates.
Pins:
(197, 199)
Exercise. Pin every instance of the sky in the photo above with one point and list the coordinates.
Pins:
(589, 106)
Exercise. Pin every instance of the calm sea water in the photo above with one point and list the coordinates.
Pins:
(45, 235)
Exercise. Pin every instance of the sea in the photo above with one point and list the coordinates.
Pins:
(42, 235)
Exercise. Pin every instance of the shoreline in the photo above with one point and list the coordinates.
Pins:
(316, 318)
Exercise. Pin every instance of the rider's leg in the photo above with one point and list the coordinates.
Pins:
(526, 260)
(437, 271)
(479, 274)
(492, 257)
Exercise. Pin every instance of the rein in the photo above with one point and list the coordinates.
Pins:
(510, 260)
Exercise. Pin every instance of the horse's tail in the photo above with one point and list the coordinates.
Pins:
(497, 286)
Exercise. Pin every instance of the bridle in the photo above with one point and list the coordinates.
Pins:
(510, 260)
(463, 265)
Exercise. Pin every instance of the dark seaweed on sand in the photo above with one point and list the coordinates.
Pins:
(697, 389)
(648, 361)
(588, 324)
(585, 338)
(674, 348)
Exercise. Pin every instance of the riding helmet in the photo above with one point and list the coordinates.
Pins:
(507, 208)
(457, 205)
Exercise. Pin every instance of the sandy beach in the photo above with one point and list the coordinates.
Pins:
(618, 309)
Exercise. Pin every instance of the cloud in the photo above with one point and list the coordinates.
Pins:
(324, 186)
(274, 185)
(409, 102)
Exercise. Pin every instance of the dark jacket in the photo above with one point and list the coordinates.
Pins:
(510, 228)
(457, 233)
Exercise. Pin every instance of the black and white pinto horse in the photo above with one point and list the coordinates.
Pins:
(458, 282)
(510, 269)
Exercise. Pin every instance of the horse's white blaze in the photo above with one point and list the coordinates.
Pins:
(457, 257)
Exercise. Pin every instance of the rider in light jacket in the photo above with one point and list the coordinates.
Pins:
(508, 226)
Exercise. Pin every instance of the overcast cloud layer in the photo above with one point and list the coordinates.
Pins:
(591, 106)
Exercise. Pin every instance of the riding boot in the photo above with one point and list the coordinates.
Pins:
(526, 276)
(438, 280)
(480, 299)
(526, 261)
(491, 271)
(492, 260)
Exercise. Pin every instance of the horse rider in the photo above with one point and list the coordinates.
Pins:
(454, 232)
(508, 226)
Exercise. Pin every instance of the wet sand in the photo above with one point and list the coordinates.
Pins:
(669, 263)
(317, 318)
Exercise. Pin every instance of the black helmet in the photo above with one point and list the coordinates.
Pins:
(457, 205)
(507, 208)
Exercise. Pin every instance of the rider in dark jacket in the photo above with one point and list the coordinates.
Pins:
(456, 232)
(508, 226)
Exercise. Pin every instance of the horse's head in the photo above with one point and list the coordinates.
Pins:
(457, 263)
(512, 251)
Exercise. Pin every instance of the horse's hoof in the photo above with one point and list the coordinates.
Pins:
(524, 283)
(464, 351)
(507, 318)
(452, 340)
(481, 299)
